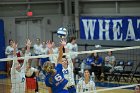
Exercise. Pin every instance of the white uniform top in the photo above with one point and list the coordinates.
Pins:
(9, 51)
(18, 79)
(44, 51)
(68, 74)
(72, 48)
(55, 50)
(83, 87)
(109, 59)
(70, 63)
(37, 49)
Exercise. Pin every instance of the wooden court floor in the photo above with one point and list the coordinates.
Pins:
(5, 87)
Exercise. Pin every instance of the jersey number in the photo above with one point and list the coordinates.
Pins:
(58, 77)
(23, 79)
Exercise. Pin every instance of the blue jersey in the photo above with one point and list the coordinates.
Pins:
(89, 60)
(58, 81)
(99, 61)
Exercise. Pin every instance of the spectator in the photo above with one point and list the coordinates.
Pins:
(96, 65)
(109, 62)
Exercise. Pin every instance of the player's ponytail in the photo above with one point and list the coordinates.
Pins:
(49, 68)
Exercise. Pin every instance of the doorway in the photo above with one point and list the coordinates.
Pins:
(27, 29)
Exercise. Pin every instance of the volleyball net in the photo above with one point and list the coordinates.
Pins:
(116, 82)
(79, 53)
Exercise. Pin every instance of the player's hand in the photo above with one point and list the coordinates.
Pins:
(50, 44)
(28, 43)
(63, 42)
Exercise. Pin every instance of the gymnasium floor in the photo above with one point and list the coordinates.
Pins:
(5, 88)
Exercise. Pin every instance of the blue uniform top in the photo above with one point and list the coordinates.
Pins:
(58, 80)
(89, 60)
(99, 61)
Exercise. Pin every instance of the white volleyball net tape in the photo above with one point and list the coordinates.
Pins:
(116, 89)
(79, 52)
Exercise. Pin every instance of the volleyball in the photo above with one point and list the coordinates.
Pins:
(62, 32)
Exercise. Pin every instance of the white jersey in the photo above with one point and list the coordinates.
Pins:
(44, 51)
(83, 87)
(18, 79)
(68, 74)
(37, 49)
(9, 51)
(109, 59)
(70, 63)
(72, 48)
(55, 50)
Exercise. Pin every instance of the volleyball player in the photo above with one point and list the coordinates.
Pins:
(9, 53)
(37, 51)
(18, 72)
(37, 47)
(9, 49)
(54, 79)
(137, 89)
(31, 78)
(68, 73)
(44, 51)
(86, 84)
(52, 50)
(72, 47)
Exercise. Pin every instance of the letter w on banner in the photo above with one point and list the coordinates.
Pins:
(114, 28)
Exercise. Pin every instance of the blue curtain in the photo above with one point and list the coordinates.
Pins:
(2, 46)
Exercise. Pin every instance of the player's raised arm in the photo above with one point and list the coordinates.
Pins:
(14, 45)
(49, 46)
(61, 48)
(28, 45)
